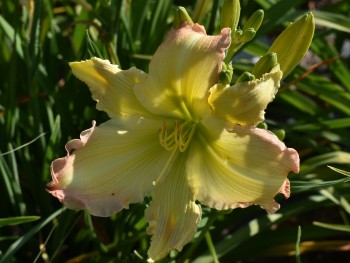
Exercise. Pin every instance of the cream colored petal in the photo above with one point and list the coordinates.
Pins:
(239, 168)
(245, 103)
(173, 215)
(111, 166)
(111, 87)
(182, 70)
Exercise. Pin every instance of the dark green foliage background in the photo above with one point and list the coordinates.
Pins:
(39, 98)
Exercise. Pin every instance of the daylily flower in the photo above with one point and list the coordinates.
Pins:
(178, 135)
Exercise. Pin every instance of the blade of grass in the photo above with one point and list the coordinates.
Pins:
(337, 227)
(338, 67)
(10, 221)
(332, 20)
(230, 242)
(297, 246)
(211, 247)
(336, 197)
(327, 91)
(23, 145)
(299, 101)
(340, 171)
(300, 186)
(324, 124)
(16, 185)
(273, 11)
(12, 35)
(23, 239)
(339, 157)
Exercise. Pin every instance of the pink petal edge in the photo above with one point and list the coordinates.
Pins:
(223, 40)
(58, 166)
(289, 154)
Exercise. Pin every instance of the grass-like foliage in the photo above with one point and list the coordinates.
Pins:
(42, 106)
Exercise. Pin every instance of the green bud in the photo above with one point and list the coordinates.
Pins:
(235, 38)
(246, 76)
(262, 125)
(265, 64)
(226, 73)
(230, 12)
(254, 20)
(281, 134)
(238, 34)
(292, 44)
(247, 35)
(181, 16)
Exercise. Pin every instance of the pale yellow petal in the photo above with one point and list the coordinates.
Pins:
(239, 168)
(111, 166)
(111, 87)
(173, 215)
(245, 103)
(182, 70)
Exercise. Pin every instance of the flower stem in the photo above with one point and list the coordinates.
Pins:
(211, 247)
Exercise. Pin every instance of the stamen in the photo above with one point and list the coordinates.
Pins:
(168, 141)
(186, 136)
(179, 138)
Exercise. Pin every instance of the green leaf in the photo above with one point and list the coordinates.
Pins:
(10, 221)
(91, 46)
(15, 246)
(338, 67)
(299, 101)
(339, 157)
(297, 246)
(300, 186)
(332, 20)
(344, 228)
(257, 225)
(340, 171)
(12, 35)
(324, 124)
(328, 91)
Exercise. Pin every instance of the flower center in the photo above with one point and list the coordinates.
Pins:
(177, 137)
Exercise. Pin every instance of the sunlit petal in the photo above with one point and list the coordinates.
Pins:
(111, 166)
(239, 168)
(245, 103)
(111, 87)
(173, 215)
(182, 70)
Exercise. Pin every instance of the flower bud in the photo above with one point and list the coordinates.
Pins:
(246, 76)
(230, 12)
(281, 134)
(238, 34)
(247, 35)
(181, 16)
(262, 125)
(265, 64)
(226, 73)
(254, 20)
(292, 44)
